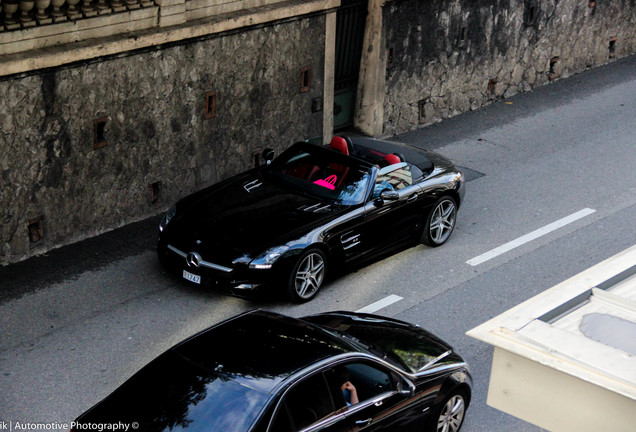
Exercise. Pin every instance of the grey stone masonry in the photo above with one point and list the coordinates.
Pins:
(92, 146)
(447, 57)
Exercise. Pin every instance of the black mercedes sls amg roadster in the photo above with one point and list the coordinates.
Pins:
(286, 223)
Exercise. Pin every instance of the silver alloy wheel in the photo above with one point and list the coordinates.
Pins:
(442, 221)
(452, 415)
(309, 275)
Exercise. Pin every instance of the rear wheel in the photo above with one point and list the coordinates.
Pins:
(451, 415)
(307, 276)
(440, 222)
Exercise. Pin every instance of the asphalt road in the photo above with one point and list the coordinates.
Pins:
(76, 323)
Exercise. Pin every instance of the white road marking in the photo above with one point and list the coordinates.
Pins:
(530, 236)
(374, 307)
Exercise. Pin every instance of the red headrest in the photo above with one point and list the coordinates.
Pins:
(339, 144)
(392, 159)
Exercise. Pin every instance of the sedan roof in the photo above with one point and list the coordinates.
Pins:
(220, 378)
(261, 347)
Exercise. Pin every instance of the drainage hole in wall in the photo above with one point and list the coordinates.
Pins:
(35, 229)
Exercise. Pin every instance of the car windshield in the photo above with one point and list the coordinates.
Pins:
(323, 173)
(408, 347)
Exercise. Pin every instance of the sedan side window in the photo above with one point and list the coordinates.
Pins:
(308, 402)
(357, 382)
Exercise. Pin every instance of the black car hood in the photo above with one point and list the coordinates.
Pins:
(245, 214)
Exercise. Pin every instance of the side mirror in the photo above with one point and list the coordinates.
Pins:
(406, 387)
(389, 195)
(268, 155)
(385, 196)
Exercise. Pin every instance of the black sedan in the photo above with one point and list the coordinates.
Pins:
(312, 207)
(262, 372)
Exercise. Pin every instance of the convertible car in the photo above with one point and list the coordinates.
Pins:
(332, 372)
(284, 224)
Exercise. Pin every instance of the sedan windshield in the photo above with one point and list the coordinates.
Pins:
(408, 347)
(323, 173)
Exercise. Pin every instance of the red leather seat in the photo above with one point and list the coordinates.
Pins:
(392, 159)
(339, 144)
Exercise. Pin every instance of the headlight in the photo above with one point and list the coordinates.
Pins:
(267, 258)
(166, 218)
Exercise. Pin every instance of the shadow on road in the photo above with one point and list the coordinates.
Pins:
(67, 262)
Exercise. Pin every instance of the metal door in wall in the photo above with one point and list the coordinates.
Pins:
(350, 23)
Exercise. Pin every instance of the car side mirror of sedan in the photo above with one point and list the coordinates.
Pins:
(268, 155)
(406, 388)
(386, 195)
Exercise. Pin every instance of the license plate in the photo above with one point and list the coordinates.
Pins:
(191, 277)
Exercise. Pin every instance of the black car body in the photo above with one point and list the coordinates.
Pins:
(266, 372)
(311, 207)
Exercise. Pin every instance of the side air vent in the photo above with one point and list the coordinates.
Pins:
(251, 186)
(349, 240)
(316, 208)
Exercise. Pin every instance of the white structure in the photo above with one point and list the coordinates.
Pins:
(565, 360)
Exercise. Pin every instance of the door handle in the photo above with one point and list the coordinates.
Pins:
(412, 197)
(366, 422)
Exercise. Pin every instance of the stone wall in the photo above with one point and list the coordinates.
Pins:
(100, 143)
(448, 57)
(92, 146)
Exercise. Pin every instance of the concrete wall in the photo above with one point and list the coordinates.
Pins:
(446, 57)
(159, 146)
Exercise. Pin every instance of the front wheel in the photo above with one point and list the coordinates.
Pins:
(440, 222)
(451, 416)
(307, 276)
